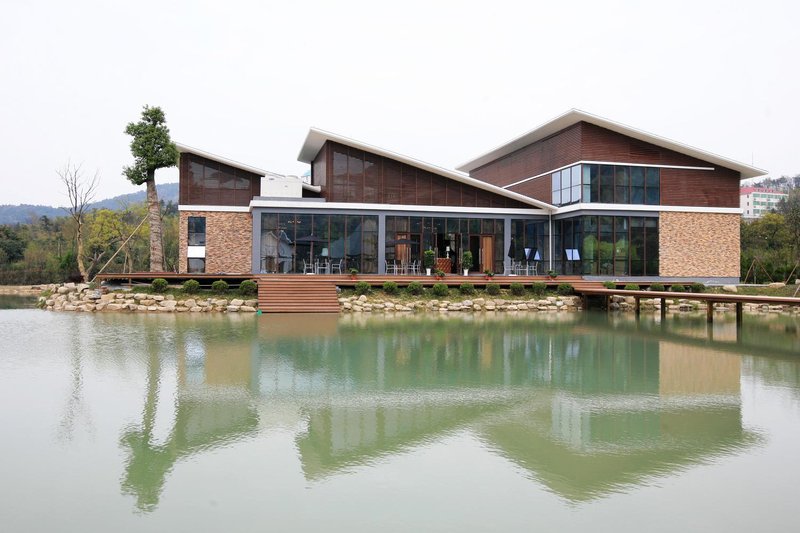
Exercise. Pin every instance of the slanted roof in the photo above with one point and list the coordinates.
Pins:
(573, 116)
(316, 138)
(182, 148)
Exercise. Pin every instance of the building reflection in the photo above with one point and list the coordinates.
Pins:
(584, 408)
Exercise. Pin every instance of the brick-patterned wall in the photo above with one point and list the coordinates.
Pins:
(229, 241)
(698, 244)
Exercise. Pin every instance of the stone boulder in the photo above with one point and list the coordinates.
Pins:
(730, 288)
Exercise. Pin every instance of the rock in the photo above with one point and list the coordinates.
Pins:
(152, 308)
(69, 307)
(141, 307)
(169, 304)
(247, 309)
(195, 309)
(169, 297)
(232, 309)
(251, 303)
(730, 288)
(190, 303)
(362, 298)
(158, 298)
(222, 302)
(522, 307)
(479, 301)
(467, 303)
(114, 307)
(63, 290)
(181, 308)
(776, 285)
(139, 296)
(237, 302)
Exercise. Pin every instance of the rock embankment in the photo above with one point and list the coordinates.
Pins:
(80, 297)
(628, 303)
(364, 304)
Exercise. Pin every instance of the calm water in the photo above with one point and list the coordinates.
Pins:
(115, 422)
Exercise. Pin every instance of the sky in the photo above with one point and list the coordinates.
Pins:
(439, 81)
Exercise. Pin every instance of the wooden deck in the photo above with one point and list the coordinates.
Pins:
(710, 298)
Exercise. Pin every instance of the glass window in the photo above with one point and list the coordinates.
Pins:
(197, 231)
(653, 186)
(196, 265)
(621, 185)
(607, 184)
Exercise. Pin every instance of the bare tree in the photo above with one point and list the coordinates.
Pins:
(80, 191)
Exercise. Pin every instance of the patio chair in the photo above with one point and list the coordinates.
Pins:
(308, 268)
(336, 266)
(413, 268)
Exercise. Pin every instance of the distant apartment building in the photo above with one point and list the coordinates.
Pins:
(757, 201)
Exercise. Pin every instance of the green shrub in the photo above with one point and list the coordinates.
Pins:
(657, 287)
(439, 273)
(248, 287)
(564, 289)
(390, 287)
(493, 289)
(631, 287)
(697, 287)
(428, 258)
(539, 288)
(440, 289)
(220, 286)
(517, 289)
(609, 285)
(466, 260)
(159, 285)
(678, 288)
(191, 286)
(466, 288)
(362, 287)
(415, 288)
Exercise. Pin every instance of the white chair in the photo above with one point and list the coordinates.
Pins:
(336, 267)
(413, 268)
(308, 268)
(391, 268)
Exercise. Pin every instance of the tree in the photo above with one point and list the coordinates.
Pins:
(789, 207)
(152, 149)
(12, 246)
(80, 191)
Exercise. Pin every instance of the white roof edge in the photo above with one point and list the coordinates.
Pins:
(183, 148)
(316, 138)
(573, 116)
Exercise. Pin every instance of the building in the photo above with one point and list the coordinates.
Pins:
(580, 194)
(755, 202)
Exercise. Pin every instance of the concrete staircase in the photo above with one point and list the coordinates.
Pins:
(304, 295)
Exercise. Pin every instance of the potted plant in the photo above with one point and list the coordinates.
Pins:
(429, 257)
(488, 274)
(466, 262)
(552, 274)
(353, 273)
(439, 274)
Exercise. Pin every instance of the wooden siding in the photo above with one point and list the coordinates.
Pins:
(208, 190)
(555, 151)
(697, 188)
(540, 188)
(357, 176)
(588, 142)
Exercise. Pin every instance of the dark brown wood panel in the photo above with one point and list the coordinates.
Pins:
(553, 152)
(540, 189)
(206, 182)
(600, 144)
(357, 176)
(700, 188)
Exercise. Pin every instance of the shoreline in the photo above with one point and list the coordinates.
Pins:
(74, 297)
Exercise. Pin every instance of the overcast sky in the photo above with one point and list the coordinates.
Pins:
(439, 81)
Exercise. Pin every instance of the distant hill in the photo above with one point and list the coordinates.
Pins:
(25, 213)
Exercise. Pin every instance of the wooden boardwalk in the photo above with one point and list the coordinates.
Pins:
(709, 298)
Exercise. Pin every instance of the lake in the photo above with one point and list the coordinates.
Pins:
(551, 422)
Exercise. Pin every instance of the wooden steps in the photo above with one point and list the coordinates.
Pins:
(297, 295)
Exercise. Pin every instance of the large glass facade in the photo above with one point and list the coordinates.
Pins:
(293, 243)
(408, 237)
(606, 245)
(609, 184)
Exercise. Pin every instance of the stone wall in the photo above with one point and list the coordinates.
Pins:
(698, 244)
(229, 241)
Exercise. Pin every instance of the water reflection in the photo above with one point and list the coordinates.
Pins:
(583, 406)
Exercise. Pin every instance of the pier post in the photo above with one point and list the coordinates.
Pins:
(663, 309)
(709, 311)
(636, 306)
(739, 306)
